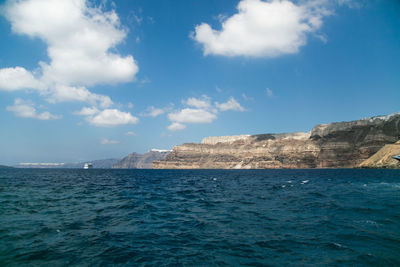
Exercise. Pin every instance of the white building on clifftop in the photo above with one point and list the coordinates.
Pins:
(212, 140)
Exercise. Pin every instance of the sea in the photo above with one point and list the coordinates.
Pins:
(318, 217)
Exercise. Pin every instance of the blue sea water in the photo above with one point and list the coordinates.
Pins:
(51, 217)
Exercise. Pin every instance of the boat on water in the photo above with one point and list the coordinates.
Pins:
(396, 157)
(88, 166)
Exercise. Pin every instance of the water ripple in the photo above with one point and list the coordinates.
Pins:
(200, 217)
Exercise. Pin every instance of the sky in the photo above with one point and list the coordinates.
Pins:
(85, 80)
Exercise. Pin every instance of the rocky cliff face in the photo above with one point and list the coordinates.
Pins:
(140, 161)
(383, 158)
(335, 145)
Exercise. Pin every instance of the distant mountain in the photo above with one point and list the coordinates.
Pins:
(4, 167)
(141, 161)
(132, 161)
(97, 164)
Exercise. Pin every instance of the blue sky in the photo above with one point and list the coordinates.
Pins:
(84, 80)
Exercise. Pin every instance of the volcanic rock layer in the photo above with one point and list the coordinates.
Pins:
(335, 145)
(384, 158)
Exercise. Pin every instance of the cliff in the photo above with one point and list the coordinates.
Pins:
(383, 158)
(335, 145)
(140, 161)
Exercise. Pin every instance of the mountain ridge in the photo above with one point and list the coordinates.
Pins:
(141, 161)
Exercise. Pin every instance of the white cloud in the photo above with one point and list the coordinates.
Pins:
(26, 109)
(107, 117)
(269, 92)
(200, 110)
(231, 104)
(203, 102)
(247, 98)
(105, 141)
(112, 117)
(153, 112)
(131, 133)
(79, 38)
(17, 78)
(263, 28)
(176, 126)
(189, 115)
(64, 93)
(87, 111)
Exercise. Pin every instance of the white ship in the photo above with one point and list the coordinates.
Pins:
(88, 166)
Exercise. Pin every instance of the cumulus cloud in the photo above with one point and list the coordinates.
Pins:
(176, 126)
(112, 117)
(263, 28)
(199, 110)
(26, 109)
(203, 102)
(189, 115)
(231, 104)
(80, 39)
(87, 111)
(153, 111)
(105, 141)
(107, 117)
(17, 78)
(64, 93)
(130, 133)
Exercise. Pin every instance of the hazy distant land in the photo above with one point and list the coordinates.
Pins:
(4, 167)
(366, 143)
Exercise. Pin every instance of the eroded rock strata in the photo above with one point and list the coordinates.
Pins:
(335, 145)
(384, 158)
